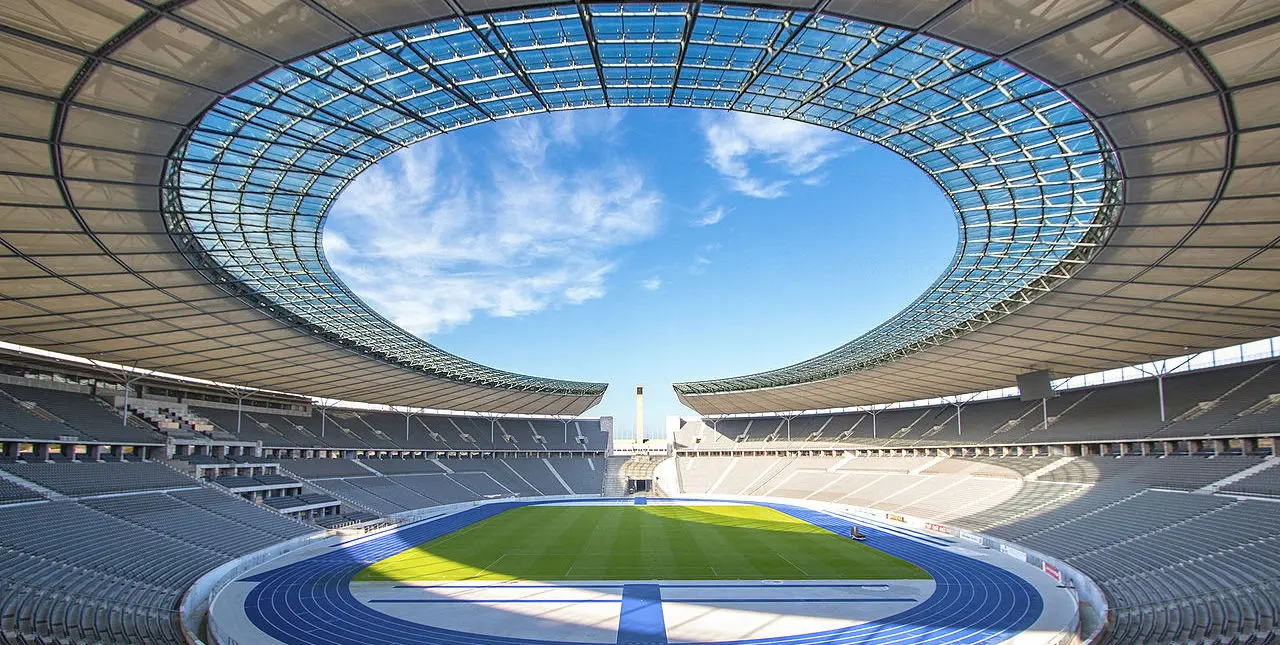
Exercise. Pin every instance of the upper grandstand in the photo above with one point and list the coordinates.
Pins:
(169, 168)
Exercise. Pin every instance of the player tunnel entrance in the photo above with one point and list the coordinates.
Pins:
(639, 486)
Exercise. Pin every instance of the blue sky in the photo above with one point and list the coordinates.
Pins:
(640, 246)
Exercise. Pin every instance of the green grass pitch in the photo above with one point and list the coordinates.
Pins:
(550, 543)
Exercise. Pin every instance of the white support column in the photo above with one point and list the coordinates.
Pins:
(1160, 389)
(129, 379)
(1160, 369)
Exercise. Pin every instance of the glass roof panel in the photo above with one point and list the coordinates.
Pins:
(1034, 182)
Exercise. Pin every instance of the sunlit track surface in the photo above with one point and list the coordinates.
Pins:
(311, 601)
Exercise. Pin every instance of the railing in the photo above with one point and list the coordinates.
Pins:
(196, 601)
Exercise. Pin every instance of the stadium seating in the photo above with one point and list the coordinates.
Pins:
(403, 466)
(245, 428)
(385, 431)
(1178, 562)
(113, 569)
(584, 476)
(357, 496)
(270, 479)
(1234, 400)
(294, 502)
(1265, 483)
(1176, 566)
(544, 477)
(324, 468)
(35, 412)
(395, 485)
(18, 422)
(1180, 566)
(56, 413)
(445, 489)
(97, 478)
(235, 481)
(10, 492)
(396, 495)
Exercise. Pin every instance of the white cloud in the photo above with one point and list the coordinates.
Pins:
(745, 147)
(432, 237)
(652, 284)
(702, 258)
(699, 265)
(711, 216)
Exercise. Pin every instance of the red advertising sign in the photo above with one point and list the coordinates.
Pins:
(1051, 571)
(937, 528)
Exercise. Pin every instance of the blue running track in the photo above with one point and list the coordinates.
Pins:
(310, 601)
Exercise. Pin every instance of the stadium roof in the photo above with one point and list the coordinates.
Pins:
(167, 168)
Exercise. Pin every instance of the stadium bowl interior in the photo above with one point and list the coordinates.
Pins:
(167, 168)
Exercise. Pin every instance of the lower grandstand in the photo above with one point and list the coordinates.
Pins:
(1174, 521)
(115, 504)
(1179, 554)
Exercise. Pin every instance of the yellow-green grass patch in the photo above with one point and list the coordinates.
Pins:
(577, 542)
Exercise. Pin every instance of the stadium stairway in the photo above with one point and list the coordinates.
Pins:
(328, 491)
(614, 484)
(47, 493)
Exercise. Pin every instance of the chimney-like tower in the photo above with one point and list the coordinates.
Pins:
(639, 414)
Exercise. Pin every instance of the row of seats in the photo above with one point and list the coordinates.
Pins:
(1232, 400)
(421, 483)
(44, 414)
(366, 430)
(35, 616)
(287, 503)
(242, 481)
(1265, 483)
(95, 478)
(11, 492)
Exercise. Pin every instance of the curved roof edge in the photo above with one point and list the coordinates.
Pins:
(1031, 177)
(1187, 268)
(416, 354)
(1186, 91)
